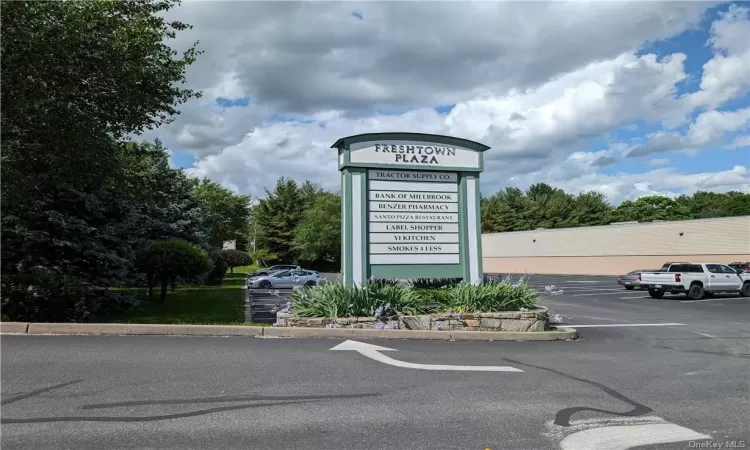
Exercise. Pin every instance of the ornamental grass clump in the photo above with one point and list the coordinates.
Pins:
(433, 283)
(379, 300)
(491, 296)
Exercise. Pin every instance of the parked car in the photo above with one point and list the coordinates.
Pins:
(696, 280)
(272, 269)
(740, 267)
(665, 267)
(285, 279)
(630, 280)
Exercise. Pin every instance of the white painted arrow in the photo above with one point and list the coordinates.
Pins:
(373, 352)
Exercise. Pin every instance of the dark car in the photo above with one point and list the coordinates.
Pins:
(631, 280)
(741, 267)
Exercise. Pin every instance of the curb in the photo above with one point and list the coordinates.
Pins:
(10, 328)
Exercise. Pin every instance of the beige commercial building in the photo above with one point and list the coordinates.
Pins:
(617, 248)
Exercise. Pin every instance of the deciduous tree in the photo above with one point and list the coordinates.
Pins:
(317, 237)
(236, 258)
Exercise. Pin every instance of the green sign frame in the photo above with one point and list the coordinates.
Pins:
(461, 160)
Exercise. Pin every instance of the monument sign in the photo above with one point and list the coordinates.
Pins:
(410, 207)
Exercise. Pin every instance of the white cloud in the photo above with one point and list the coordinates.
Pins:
(657, 162)
(707, 130)
(666, 181)
(710, 126)
(538, 83)
(741, 142)
(727, 74)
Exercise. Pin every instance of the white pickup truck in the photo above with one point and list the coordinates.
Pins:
(696, 280)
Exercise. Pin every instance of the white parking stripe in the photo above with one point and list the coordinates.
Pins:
(710, 300)
(601, 293)
(623, 298)
(624, 325)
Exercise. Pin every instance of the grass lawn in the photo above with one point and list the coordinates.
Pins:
(216, 305)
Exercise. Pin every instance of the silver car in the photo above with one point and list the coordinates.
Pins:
(630, 280)
(285, 279)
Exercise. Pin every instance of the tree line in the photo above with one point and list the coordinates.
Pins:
(544, 206)
(301, 223)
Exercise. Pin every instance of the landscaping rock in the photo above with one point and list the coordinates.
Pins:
(522, 325)
(439, 325)
(490, 323)
(509, 315)
(510, 321)
(416, 322)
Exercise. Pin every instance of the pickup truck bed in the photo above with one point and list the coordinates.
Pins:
(696, 280)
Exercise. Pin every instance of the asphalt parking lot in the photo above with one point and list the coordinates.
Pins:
(645, 374)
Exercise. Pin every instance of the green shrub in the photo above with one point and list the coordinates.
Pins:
(433, 283)
(379, 282)
(236, 258)
(376, 299)
(219, 271)
(173, 258)
(54, 297)
(333, 299)
(492, 296)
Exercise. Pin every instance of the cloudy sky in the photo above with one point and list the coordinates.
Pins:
(630, 99)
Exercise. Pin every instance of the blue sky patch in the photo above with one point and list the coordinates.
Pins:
(445, 109)
(233, 102)
(275, 117)
(183, 160)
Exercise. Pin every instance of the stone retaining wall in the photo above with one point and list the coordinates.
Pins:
(532, 320)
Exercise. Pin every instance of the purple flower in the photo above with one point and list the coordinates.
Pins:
(352, 326)
(380, 326)
(332, 325)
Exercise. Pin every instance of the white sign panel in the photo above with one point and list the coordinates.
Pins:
(414, 153)
(412, 217)
(403, 227)
(414, 207)
(414, 259)
(390, 249)
(378, 185)
(405, 175)
(403, 196)
(414, 238)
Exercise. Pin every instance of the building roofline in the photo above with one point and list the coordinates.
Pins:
(624, 225)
